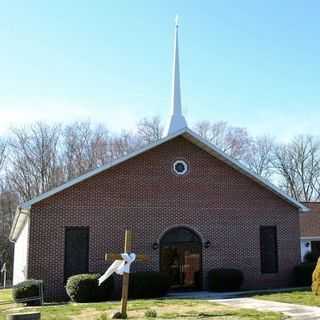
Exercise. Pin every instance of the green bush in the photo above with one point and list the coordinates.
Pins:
(150, 314)
(148, 285)
(85, 288)
(303, 274)
(26, 290)
(222, 280)
(310, 257)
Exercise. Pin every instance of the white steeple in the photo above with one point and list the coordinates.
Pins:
(177, 120)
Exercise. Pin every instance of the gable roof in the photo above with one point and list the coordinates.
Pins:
(187, 134)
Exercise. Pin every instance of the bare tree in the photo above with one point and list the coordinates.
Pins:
(3, 146)
(149, 130)
(260, 155)
(203, 128)
(8, 203)
(234, 141)
(298, 167)
(123, 144)
(34, 160)
(3, 155)
(85, 147)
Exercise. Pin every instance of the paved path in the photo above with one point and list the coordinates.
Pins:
(208, 295)
(297, 312)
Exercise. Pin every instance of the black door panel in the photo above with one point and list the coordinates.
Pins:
(76, 251)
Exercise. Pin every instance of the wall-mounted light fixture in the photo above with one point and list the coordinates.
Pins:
(307, 245)
(155, 245)
(207, 244)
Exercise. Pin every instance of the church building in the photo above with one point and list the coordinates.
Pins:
(191, 208)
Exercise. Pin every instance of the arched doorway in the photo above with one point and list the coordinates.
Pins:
(181, 258)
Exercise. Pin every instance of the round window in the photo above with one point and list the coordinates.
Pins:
(180, 167)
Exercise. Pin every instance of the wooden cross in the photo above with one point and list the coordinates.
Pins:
(125, 280)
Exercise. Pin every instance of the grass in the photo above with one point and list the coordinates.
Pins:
(164, 308)
(5, 295)
(306, 298)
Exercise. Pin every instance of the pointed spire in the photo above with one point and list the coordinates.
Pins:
(177, 121)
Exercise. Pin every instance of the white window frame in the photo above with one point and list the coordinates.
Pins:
(186, 167)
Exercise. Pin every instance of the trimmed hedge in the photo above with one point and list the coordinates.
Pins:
(310, 257)
(85, 288)
(222, 280)
(26, 290)
(303, 274)
(148, 284)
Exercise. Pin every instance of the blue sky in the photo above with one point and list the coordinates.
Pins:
(254, 64)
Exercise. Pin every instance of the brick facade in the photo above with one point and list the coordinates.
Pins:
(309, 223)
(219, 203)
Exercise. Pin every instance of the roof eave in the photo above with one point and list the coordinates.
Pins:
(27, 205)
(195, 138)
(191, 136)
(19, 221)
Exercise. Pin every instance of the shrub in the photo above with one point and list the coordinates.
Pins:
(150, 314)
(26, 290)
(225, 280)
(310, 257)
(85, 288)
(303, 274)
(148, 284)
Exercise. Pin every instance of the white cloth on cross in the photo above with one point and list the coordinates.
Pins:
(119, 266)
(4, 268)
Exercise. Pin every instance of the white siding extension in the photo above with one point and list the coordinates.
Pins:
(305, 246)
(21, 255)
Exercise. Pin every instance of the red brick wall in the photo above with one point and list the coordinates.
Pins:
(222, 205)
(310, 221)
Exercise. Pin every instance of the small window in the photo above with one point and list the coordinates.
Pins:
(180, 167)
(268, 249)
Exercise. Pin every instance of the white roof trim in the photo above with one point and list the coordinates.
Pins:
(28, 204)
(19, 221)
(192, 137)
(310, 238)
(213, 150)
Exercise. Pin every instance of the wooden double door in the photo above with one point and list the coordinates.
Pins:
(182, 261)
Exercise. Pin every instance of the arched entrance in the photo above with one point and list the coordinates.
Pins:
(181, 258)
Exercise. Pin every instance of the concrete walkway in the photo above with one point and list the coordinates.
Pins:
(208, 295)
(296, 312)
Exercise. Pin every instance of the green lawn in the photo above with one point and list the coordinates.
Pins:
(5, 295)
(165, 308)
(298, 297)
